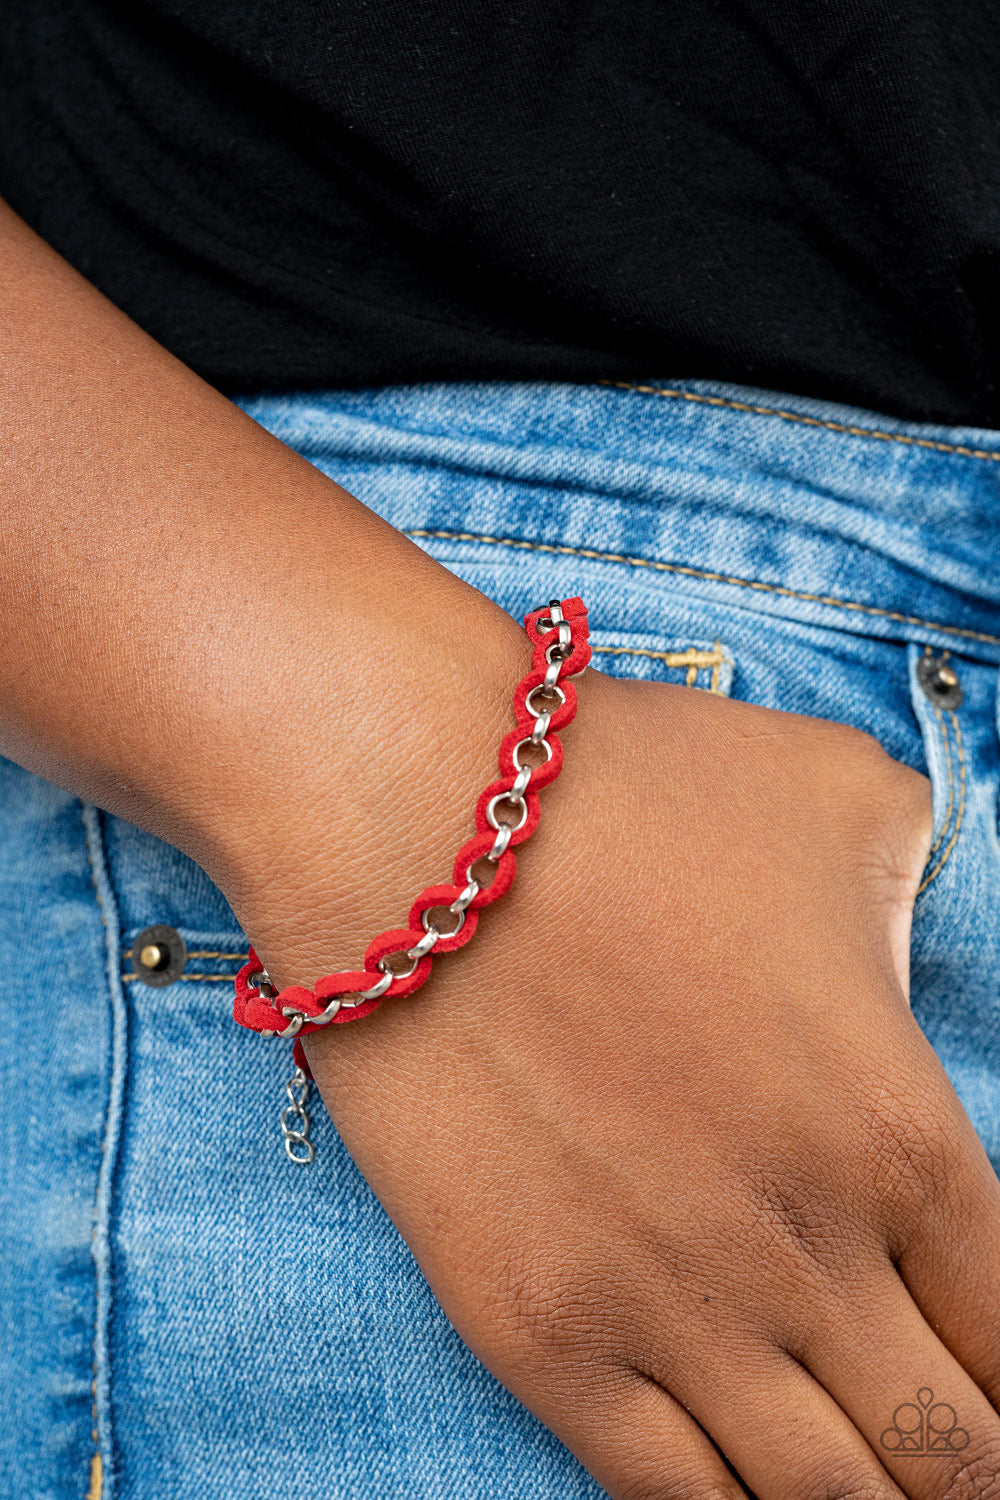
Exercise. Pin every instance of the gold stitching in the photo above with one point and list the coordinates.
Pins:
(688, 658)
(561, 550)
(203, 953)
(951, 785)
(201, 978)
(993, 456)
(209, 953)
(961, 809)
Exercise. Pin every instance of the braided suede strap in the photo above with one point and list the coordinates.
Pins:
(445, 917)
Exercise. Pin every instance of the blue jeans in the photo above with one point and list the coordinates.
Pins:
(185, 1315)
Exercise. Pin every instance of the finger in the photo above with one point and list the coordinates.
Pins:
(783, 1434)
(951, 1267)
(639, 1443)
(921, 1413)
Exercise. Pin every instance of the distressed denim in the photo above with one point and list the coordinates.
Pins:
(217, 1324)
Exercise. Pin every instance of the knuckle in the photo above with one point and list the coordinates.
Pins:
(647, 1485)
(799, 1213)
(977, 1476)
(550, 1306)
(848, 1482)
(912, 1141)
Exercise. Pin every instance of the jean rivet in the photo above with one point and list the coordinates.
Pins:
(158, 955)
(939, 680)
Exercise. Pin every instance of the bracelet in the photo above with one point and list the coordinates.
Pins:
(443, 917)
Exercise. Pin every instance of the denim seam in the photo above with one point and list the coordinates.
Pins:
(847, 429)
(102, 1462)
(561, 549)
(950, 846)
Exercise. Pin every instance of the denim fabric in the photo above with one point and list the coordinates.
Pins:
(235, 1328)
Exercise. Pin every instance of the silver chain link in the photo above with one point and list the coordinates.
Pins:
(295, 1121)
(297, 1143)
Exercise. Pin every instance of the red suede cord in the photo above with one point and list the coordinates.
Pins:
(258, 1012)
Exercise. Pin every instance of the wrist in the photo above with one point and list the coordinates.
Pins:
(367, 787)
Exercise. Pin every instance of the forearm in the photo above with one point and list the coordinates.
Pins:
(188, 609)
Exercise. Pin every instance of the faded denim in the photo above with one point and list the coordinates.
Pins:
(225, 1326)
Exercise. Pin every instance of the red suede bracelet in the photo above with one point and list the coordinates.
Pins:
(443, 917)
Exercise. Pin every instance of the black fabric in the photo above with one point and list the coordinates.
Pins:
(803, 196)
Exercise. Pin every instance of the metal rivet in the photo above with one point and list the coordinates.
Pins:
(939, 681)
(159, 955)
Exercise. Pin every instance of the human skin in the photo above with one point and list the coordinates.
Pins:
(664, 1137)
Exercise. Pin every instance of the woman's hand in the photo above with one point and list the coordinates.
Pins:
(665, 1138)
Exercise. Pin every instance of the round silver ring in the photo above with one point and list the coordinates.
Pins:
(399, 973)
(530, 740)
(537, 688)
(491, 816)
(438, 935)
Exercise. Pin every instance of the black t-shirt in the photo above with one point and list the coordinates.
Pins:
(802, 196)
